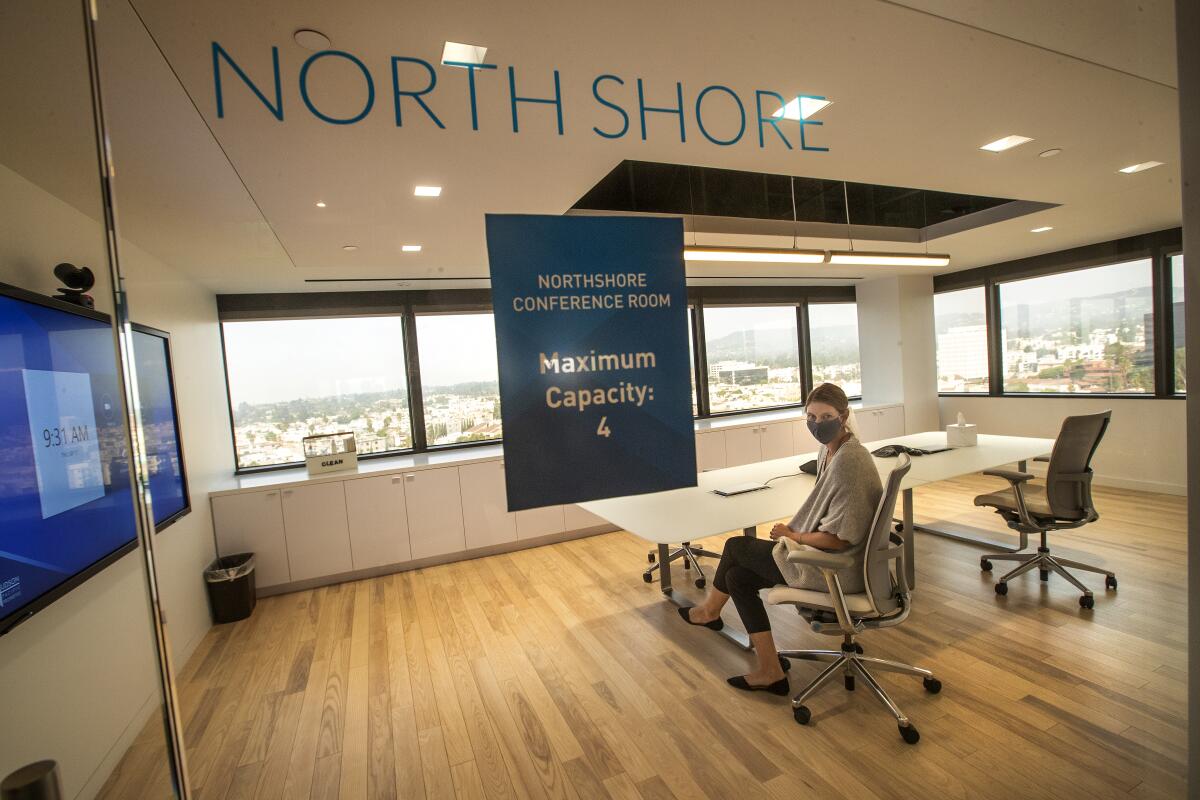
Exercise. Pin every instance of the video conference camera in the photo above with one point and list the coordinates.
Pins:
(78, 281)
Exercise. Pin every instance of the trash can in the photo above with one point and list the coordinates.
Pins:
(230, 582)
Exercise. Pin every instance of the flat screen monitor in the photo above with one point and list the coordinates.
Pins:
(66, 508)
(160, 425)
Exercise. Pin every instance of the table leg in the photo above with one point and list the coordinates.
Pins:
(752, 531)
(910, 535)
(664, 577)
(664, 568)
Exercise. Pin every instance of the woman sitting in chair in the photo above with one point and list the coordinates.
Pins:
(836, 516)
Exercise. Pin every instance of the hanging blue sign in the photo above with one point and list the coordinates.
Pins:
(592, 339)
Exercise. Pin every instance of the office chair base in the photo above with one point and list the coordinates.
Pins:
(1045, 564)
(852, 664)
(691, 555)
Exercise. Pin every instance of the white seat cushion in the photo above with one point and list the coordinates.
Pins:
(857, 604)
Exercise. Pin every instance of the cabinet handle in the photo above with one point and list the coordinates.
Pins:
(410, 476)
(396, 480)
(287, 492)
(271, 494)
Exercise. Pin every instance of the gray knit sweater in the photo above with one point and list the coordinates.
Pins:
(843, 503)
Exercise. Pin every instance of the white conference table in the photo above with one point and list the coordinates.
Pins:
(692, 513)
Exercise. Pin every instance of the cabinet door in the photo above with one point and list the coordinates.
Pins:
(710, 450)
(318, 535)
(485, 505)
(378, 518)
(867, 422)
(576, 519)
(535, 522)
(253, 523)
(435, 519)
(802, 439)
(775, 441)
(891, 422)
(742, 446)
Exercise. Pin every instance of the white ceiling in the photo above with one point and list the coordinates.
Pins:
(918, 86)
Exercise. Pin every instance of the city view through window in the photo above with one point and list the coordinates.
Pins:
(341, 374)
(1088, 331)
(753, 357)
(833, 340)
(459, 377)
(1177, 316)
(960, 322)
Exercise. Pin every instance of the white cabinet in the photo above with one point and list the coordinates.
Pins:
(710, 450)
(535, 522)
(775, 441)
(741, 446)
(435, 520)
(317, 533)
(253, 523)
(576, 519)
(758, 443)
(486, 519)
(802, 440)
(378, 519)
(879, 424)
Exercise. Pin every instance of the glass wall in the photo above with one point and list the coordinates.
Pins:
(459, 382)
(960, 322)
(1089, 331)
(352, 378)
(753, 357)
(1177, 314)
(833, 337)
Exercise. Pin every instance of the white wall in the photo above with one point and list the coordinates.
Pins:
(896, 347)
(79, 677)
(1142, 449)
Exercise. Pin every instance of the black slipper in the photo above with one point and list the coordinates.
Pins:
(715, 625)
(779, 687)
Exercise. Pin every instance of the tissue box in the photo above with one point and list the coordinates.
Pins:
(961, 435)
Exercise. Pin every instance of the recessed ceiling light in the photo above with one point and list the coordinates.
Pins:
(1051, 153)
(1042, 229)
(455, 54)
(311, 40)
(1007, 143)
(1142, 167)
(320, 204)
(802, 107)
(410, 248)
(427, 191)
(349, 247)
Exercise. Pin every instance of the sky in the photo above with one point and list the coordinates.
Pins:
(1082, 283)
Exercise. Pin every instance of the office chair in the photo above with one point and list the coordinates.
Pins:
(690, 553)
(1064, 502)
(884, 602)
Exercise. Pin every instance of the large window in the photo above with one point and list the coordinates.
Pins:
(459, 382)
(753, 357)
(833, 337)
(960, 322)
(1177, 312)
(294, 378)
(1088, 331)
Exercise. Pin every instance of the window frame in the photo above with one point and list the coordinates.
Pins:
(987, 335)
(1158, 247)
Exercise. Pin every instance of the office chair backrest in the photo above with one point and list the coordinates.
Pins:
(1070, 497)
(876, 564)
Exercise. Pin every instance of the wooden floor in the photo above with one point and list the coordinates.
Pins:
(556, 672)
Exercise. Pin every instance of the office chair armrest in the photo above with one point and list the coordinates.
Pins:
(819, 558)
(1012, 476)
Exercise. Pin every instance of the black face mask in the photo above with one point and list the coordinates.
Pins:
(825, 432)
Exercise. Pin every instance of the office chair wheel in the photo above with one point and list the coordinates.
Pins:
(802, 714)
(985, 565)
(1001, 589)
(909, 733)
(1087, 601)
(1044, 574)
(647, 577)
(932, 685)
(849, 683)
(858, 648)
(650, 558)
(700, 583)
(1110, 582)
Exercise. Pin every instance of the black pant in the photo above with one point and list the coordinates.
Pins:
(746, 567)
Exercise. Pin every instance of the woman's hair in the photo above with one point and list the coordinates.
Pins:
(831, 395)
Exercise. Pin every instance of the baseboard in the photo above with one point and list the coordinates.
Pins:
(433, 561)
(1157, 487)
